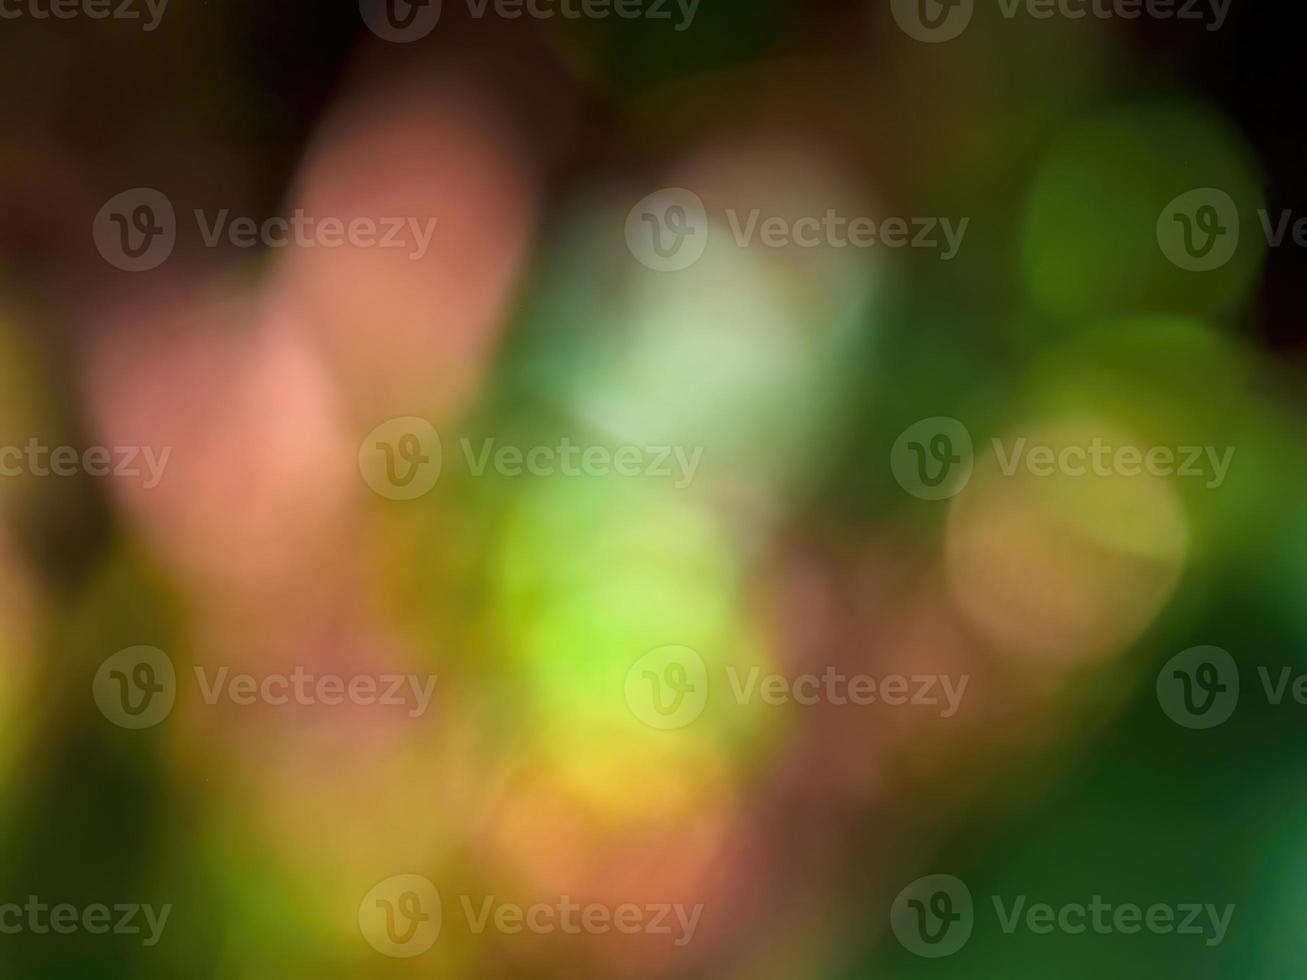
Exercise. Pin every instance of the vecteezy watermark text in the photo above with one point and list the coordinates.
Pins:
(668, 230)
(934, 21)
(933, 459)
(934, 916)
(149, 11)
(835, 688)
(64, 919)
(668, 688)
(402, 917)
(137, 688)
(137, 230)
(572, 918)
(1102, 459)
(402, 459)
(404, 21)
(1200, 687)
(1199, 230)
(38, 459)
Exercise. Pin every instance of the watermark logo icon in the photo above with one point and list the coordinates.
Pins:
(401, 458)
(932, 459)
(136, 230)
(1199, 687)
(1199, 230)
(136, 687)
(668, 687)
(667, 231)
(401, 916)
(933, 916)
(933, 21)
(400, 21)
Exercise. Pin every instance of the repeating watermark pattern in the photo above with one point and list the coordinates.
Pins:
(1199, 230)
(402, 459)
(570, 459)
(404, 21)
(934, 916)
(942, 691)
(1202, 919)
(667, 231)
(136, 231)
(1199, 687)
(137, 688)
(671, 919)
(932, 459)
(401, 917)
(40, 918)
(935, 21)
(1098, 458)
(400, 21)
(120, 462)
(148, 12)
(668, 688)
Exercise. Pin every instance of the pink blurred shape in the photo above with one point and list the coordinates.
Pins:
(259, 476)
(409, 330)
